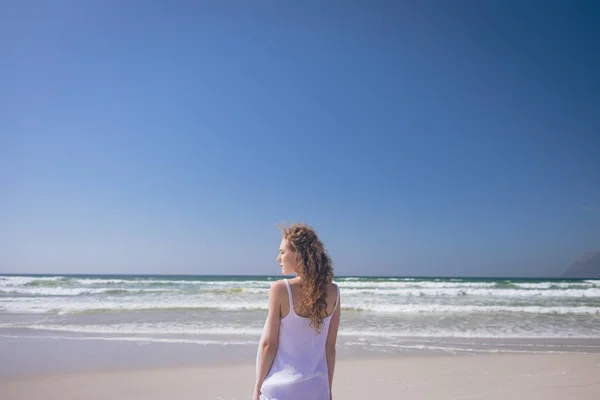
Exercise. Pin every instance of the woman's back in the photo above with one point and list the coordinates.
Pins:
(299, 370)
(295, 287)
(296, 353)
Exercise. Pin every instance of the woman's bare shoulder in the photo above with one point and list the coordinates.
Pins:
(278, 288)
(332, 289)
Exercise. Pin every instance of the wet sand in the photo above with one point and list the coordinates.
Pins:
(496, 376)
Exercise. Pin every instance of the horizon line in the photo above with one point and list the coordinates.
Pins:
(283, 276)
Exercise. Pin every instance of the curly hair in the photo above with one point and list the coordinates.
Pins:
(314, 266)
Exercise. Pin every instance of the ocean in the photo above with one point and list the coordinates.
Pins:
(388, 315)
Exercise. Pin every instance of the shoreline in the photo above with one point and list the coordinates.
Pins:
(480, 376)
(368, 358)
(41, 355)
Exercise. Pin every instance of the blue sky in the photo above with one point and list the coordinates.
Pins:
(417, 137)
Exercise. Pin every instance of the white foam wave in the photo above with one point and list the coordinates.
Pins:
(175, 284)
(442, 308)
(132, 303)
(540, 285)
(143, 340)
(471, 334)
(591, 292)
(349, 282)
(407, 333)
(415, 284)
(548, 285)
(96, 281)
(41, 305)
(24, 280)
(60, 291)
(458, 350)
(142, 329)
(74, 281)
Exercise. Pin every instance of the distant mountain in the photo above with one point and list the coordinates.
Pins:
(587, 267)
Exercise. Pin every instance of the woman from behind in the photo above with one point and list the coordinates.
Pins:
(296, 353)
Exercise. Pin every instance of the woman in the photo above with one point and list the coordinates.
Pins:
(296, 354)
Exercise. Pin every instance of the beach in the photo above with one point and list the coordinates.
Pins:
(182, 337)
(499, 376)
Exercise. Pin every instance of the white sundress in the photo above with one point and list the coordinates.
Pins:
(299, 370)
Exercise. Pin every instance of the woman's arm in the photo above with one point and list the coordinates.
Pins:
(270, 343)
(334, 324)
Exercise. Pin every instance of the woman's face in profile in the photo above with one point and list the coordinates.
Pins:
(286, 258)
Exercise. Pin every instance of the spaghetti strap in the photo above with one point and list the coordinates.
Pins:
(289, 289)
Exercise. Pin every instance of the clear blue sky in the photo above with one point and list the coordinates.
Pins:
(417, 137)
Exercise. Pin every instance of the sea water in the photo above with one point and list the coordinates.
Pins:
(379, 314)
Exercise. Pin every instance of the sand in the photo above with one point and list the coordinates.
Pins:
(498, 376)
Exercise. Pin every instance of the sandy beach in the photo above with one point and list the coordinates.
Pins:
(195, 337)
(501, 376)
